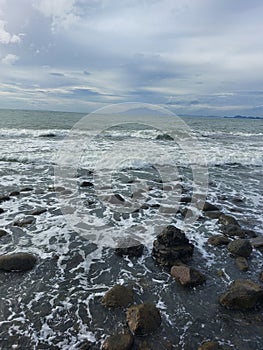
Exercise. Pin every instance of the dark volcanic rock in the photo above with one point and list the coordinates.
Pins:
(129, 246)
(240, 247)
(210, 345)
(218, 240)
(172, 246)
(187, 276)
(143, 319)
(242, 295)
(210, 207)
(118, 342)
(3, 233)
(17, 262)
(242, 263)
(118, 296)
(233, 231)
(227, 220)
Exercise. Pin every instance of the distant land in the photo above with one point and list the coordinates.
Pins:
(244, 117)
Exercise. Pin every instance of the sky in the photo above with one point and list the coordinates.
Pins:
(194, 57)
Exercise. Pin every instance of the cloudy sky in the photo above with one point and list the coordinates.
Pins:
(193, 56)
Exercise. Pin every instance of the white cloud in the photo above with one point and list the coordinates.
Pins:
(10, 59)
(6, 37)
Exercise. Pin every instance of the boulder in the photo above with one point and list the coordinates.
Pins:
(233, 231)
(17, 262)
(143, 319)
(86, 184)
(24, 221)
(240, 247)
(130, 247)
(3, 233)
(118, 342)
(4, 198)
(257, 242)
(242, 295)
(210, 207)
(218, 240)
(118, 296)
(227, 220)
(242, 263)
(38, 211)
(172, 246)
(187, 276)
(164, 137)
(210, 345)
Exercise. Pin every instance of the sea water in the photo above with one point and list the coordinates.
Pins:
(57, 304)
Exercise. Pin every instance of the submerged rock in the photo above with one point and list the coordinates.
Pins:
(86, 184)
(242, 295)
(38, 211)
(1, 211)
(17, 262)
(240, 247)
(130, 247)
(143, 319)
(4, 198)
(218, 240)
(14, 193)
(213, 214)
(187, 276)
(242, 263)
(118, 342)
(172, 246)
(227, 220)
(118, 296)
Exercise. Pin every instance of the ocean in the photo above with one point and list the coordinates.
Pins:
(47, 157)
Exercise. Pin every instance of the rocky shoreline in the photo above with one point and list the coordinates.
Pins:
(173, 252)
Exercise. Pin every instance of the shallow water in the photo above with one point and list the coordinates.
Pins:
(57, 304)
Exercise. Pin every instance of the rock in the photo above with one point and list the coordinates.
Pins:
(38, 211)
(242, 295)
(118, 296)
(257, 242)
(143, 319)
(213, 214)
(17, 262)
(14, 193)
(261, 276)
(233, 231)
(227, 220)
(50, 134)
(164, 137)
(210, 207)
(3, 233)
(187, 276)
(210, 345)
(24, 221)
(1, 211)
(130, 247)
(26, 189)
(172, 246)
(218, 240)
(4, 198)
(242, 263)
(86, 184)
(118, 342)
(240, 247)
